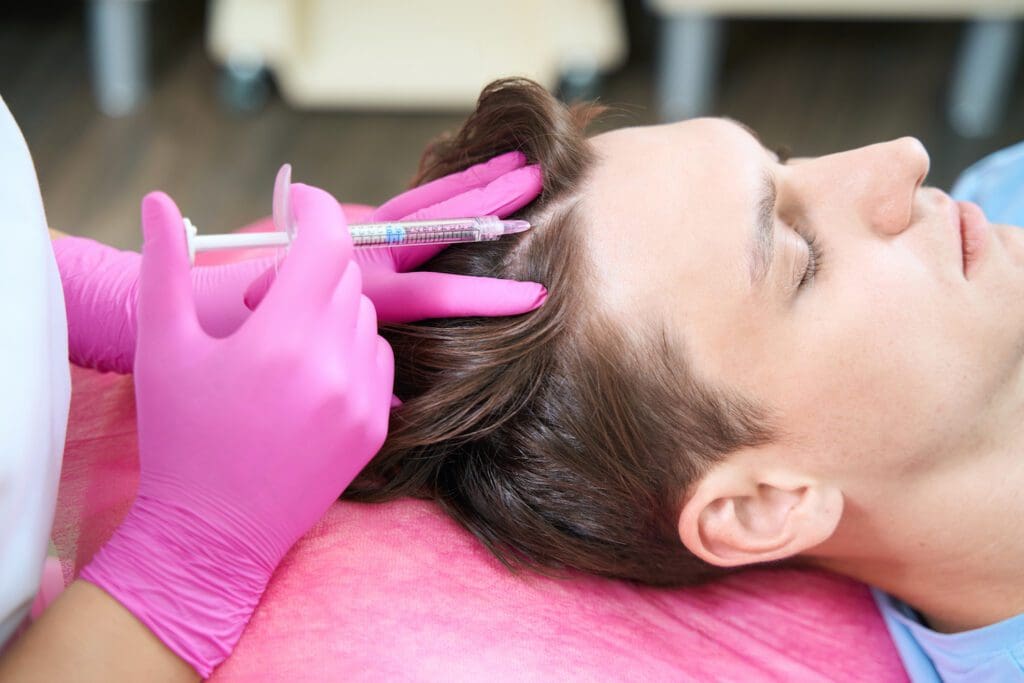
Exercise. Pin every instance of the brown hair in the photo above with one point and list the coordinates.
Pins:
(556, 437)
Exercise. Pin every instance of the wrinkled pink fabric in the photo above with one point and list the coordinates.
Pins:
(399, 592)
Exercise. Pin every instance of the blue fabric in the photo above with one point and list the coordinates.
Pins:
(996, 652)
(991, 653)
(996, 184)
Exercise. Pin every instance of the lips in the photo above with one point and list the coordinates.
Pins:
(974, 232)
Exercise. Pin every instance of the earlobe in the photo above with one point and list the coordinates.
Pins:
(733, 519)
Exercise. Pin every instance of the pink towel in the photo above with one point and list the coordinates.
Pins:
(399, 592)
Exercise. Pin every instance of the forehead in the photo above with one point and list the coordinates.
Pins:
(670, 211)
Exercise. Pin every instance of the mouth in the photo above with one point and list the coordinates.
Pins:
(974, 230)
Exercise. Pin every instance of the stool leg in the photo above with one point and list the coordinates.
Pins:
(982, 76)
(689, 63)
(118, 47)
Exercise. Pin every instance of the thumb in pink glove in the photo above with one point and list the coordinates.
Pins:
(498, 187)
(246, 440)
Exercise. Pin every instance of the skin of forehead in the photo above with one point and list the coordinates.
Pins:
(669, 211)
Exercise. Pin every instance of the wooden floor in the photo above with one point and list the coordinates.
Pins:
(817, 86)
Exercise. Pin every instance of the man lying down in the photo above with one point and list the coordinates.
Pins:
(742, 359)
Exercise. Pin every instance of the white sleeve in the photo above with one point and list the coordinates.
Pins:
(35, 383)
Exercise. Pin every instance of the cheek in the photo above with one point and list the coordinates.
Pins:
(877, 378)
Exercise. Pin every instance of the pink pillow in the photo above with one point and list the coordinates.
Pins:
(399, 592)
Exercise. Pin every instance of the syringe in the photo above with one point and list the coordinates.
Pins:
(364, 235)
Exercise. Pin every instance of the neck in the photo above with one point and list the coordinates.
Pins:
(949, 544)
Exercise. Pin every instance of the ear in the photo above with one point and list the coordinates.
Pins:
(742, 514)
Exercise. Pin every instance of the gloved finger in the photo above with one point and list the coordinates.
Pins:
(443, 188)
(364, 346)
(369, 391)
(340, 327)
(386, 383)
(501, 197)
(255, 292)
(166, 306)
(319, 254)
(421, 295)
(386, 370)
(220, 292)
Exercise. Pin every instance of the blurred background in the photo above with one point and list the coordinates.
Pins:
(206, 98)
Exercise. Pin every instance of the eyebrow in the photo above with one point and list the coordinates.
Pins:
(762, 246)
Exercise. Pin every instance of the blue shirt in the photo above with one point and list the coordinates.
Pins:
(996, 652)
(992, 653)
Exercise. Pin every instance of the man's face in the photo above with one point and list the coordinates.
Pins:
(887, 363)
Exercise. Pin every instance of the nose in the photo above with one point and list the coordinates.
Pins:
(878, 182)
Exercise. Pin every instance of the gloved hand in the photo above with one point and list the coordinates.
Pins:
(498, 187)
(246, 440)
(101, 296)
(100, 283)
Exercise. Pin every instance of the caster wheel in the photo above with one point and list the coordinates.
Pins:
(244, 87)
(579, 82)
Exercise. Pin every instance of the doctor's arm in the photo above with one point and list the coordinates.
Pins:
(86, 635)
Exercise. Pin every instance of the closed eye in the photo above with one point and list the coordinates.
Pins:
(814, 249)
(814, 258)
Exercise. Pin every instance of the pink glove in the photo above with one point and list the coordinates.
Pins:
(244, 441)
(101, 292)
(100, 283)
(498, 187)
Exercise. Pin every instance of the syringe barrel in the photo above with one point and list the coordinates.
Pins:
(370, 235)
(407, 233)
